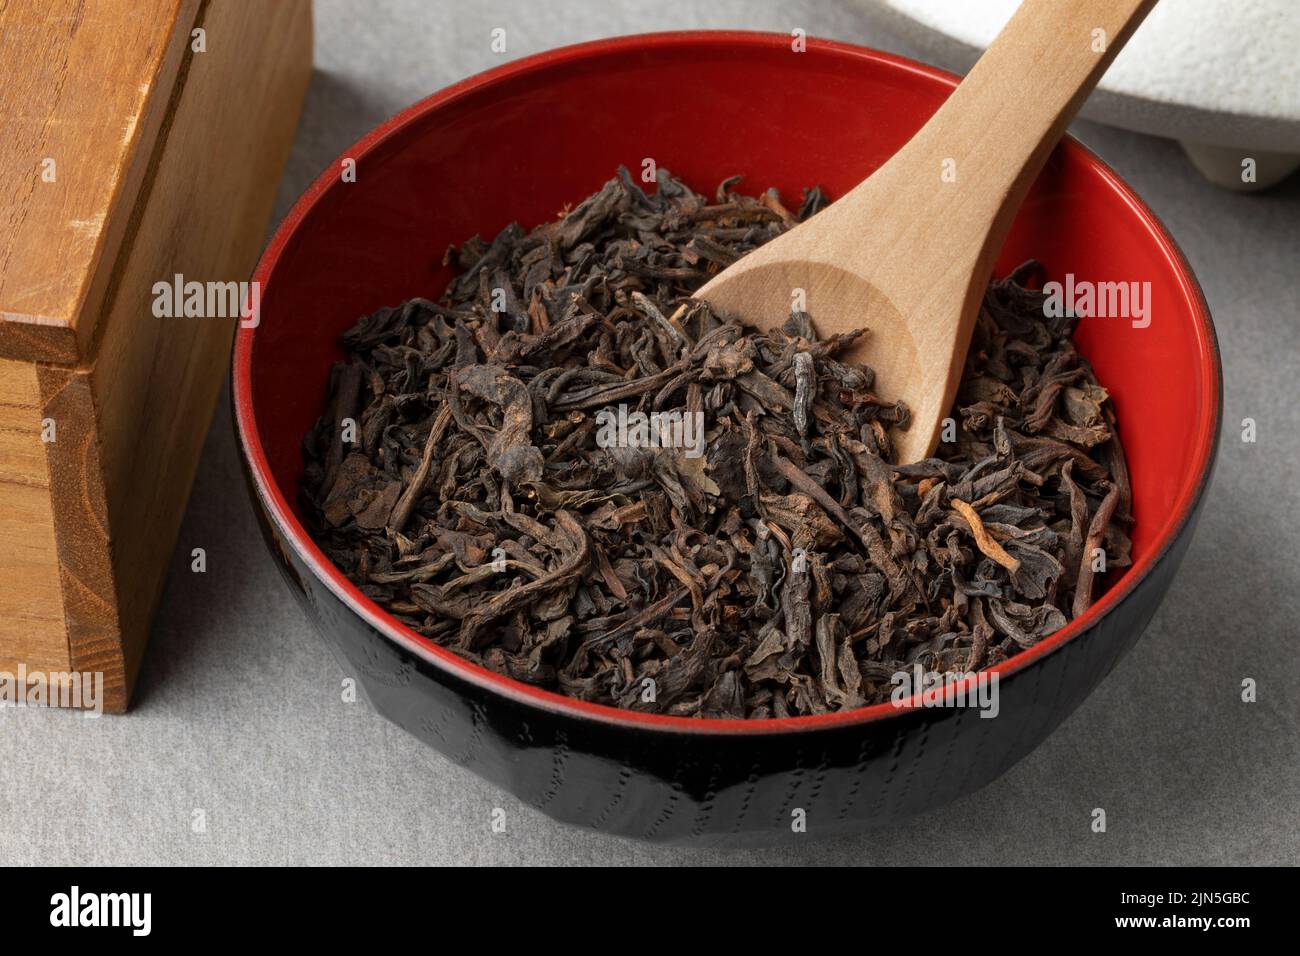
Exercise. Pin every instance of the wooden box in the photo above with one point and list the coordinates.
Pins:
(139, 140)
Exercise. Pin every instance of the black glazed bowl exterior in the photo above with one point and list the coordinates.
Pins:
(697, 787)
(438, 173)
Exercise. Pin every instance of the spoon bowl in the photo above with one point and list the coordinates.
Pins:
(909, 251)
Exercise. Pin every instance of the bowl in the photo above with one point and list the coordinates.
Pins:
(1217, 77)
(522, 141)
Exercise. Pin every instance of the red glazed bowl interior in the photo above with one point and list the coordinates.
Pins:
(523, 141)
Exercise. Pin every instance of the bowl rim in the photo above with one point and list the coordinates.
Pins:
(277, 509)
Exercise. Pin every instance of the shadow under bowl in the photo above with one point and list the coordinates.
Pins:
(521, 142)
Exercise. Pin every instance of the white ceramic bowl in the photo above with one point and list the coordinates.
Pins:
(1220, 76)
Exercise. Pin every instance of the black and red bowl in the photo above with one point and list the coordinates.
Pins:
(521, 142)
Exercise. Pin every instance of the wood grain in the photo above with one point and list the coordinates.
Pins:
(81, 530)
(31, 599)
(183, 181)
(86, 83)
(155, 381)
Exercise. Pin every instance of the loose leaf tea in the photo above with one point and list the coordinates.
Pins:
(574, 474)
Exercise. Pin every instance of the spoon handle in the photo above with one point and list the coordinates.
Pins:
(993, 135)
(908, 251)
(969, 169)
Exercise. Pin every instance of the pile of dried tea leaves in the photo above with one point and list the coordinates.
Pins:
(790, 568)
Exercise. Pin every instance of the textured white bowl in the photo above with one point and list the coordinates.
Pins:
(1220, 76)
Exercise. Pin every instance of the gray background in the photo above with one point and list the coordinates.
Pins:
(239, 710)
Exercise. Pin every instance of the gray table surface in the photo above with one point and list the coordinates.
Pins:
(239, 712)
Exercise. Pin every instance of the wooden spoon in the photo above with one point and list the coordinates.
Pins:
(909, 251)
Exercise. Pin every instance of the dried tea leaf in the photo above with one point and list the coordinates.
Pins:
(789, 569)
